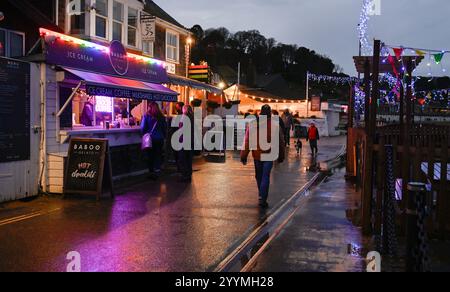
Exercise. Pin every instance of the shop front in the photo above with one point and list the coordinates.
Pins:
(96, 91)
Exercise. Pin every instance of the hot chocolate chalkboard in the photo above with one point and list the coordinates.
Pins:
(88, 162)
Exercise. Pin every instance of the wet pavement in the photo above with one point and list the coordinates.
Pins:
(151, 226)
(319, 238)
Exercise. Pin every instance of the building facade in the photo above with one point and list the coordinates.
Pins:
(123, 53)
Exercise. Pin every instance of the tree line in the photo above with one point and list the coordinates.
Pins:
(262, 55)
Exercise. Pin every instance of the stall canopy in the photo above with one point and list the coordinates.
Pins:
(104, 85)
(182, 81)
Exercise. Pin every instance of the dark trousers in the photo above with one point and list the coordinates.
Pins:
(287, 136)
(155, 156)
(263, 170)
(185, 158)
(314, 148)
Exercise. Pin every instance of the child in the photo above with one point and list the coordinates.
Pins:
(298, 146)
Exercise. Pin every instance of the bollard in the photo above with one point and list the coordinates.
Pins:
(415, 234)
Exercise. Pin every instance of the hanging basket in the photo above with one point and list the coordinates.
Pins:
(212, 104)
(228, 105)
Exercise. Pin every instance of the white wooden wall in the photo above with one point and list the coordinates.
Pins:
(19, 180)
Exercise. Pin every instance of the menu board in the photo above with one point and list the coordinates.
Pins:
(85, 168)
(14, 110)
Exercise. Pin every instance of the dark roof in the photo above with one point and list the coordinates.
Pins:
(34, 14)
(275, 85)
(153, 8)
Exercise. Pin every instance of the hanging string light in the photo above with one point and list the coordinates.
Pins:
(363, 27)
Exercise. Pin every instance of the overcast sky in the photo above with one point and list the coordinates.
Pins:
(326, 26)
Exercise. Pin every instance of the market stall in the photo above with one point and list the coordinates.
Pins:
(96, 91)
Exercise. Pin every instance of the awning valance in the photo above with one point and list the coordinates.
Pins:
(104, 85)
(183, 81)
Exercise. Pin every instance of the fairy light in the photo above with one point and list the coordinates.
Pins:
(47, 33)
(363, 27)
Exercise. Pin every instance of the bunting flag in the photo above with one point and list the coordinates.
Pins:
(392, 62)
(398, 52)
(438, 58)
(420, 53)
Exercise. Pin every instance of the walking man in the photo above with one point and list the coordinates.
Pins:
(288, 126)
(313, 138)
(263, 168)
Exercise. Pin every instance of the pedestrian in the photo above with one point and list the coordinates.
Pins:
(288, 126)
(154, 123)
(87, 115)
(313, 138)
(275, 113)
(186, 155)
(176, 154)
(262, 168)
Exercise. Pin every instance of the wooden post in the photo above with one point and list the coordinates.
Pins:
(402, 113)
(350, 140)
(369, 151)
(375, 88)
(367, 95)
(406, 135)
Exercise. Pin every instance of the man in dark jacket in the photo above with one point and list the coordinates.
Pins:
(313, 138)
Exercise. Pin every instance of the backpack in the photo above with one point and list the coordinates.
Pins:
(312, 134)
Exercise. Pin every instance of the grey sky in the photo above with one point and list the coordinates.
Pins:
(326, 26)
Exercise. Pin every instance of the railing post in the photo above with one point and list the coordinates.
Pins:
(416, 242)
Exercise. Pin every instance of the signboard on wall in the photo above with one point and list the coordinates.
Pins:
(148, 27)
(14, 110)
(316, 105)
(171, 68)
(112, 61)
(87, 167)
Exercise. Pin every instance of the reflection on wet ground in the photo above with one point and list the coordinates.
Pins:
(319, 238)
(163, 226)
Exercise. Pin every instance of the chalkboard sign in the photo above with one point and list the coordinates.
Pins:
(14, 110)
(88, 161)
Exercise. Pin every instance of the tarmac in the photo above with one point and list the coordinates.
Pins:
(153, 226)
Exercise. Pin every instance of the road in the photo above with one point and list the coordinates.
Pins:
(162, 226)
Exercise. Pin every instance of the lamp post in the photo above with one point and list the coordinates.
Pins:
(189, 42)
(307, 94)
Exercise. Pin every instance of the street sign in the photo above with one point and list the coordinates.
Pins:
(14, 110)
(85, 168)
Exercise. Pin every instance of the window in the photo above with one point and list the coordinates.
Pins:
(117, 21)
(172, 46)
(12, 43)
(16, 44)
(78, 22)
(147, 48)
(101, 18)
(132, 26)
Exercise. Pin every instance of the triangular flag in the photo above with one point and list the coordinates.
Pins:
(398, 52)
(420, 53)
(438, 58)
(392, 62)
